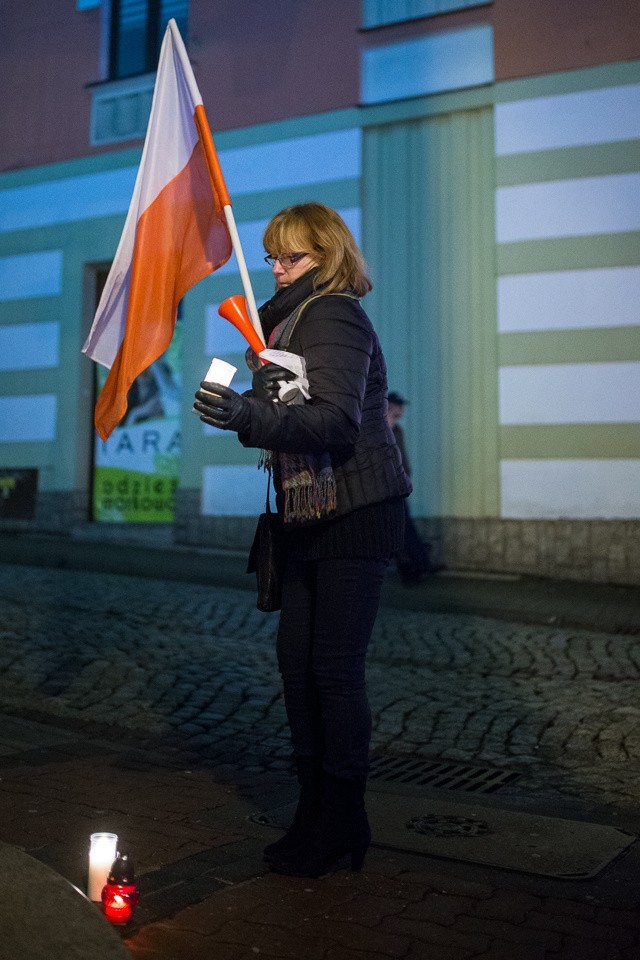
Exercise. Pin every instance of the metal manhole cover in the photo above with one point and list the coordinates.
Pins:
(442, 774)
(448, 826)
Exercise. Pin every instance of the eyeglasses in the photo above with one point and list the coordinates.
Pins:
(285, 262)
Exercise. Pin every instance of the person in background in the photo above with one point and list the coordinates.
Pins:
(414, 559)
(340, 489)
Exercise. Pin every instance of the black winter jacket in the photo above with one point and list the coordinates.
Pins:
(346, 415)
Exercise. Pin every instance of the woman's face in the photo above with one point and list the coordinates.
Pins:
(285, 273)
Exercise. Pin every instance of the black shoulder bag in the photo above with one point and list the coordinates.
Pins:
(267, 558)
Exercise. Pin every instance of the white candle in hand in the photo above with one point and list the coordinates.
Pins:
(102, 853)
(219, 372)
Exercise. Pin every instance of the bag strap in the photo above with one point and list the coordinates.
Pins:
(291, 322)
(268, 505)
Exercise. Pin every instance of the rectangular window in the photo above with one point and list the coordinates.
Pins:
(137, 29)
(377, 13)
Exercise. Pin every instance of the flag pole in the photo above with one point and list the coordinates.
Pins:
(217, 179)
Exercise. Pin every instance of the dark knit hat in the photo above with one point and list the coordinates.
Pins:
(396, 398)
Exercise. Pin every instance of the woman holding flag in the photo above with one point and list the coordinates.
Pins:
(340, 486)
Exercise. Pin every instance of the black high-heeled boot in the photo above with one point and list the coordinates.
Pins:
(342, 836)
(307, 816)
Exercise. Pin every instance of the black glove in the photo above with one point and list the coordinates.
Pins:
(226, 409)
(252, 359)
(264, 383)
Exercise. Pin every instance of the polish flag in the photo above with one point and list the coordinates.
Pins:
(175, 234)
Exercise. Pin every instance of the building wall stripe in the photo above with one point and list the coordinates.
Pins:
(568, 120)
(232, 490)
(85, 197)
(588, 441)
(28, 418)
(39, 455)
(31, 275)
(29, 346)
(220, 336)
(568, 81)
(575, 489)
(569, 299)
(601, 159)
(219, 286)
(263, 204)
(12, 382)
(569, 346)
(568, 208)
(296, 162)
(593, 252)
(570, 393)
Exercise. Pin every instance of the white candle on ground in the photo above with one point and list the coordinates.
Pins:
(102, 853)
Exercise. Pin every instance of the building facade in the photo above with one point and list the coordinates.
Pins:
(486, 156)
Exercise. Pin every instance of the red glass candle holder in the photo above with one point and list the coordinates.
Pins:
(119, 901)
(120, 894)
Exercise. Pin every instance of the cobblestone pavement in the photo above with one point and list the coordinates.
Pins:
(154, 708)
(198, 662)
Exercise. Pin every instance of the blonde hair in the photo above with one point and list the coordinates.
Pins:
(323, 234)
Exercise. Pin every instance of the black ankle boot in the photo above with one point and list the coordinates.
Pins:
(307, 816)
(343, 833)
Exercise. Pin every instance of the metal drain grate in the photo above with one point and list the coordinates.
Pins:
(440, 773)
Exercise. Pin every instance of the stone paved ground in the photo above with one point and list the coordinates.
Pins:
(154, 708)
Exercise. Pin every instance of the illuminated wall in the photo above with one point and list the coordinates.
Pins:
(487, 159)
(568, 290)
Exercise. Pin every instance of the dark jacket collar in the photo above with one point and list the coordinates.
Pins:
(284, 301)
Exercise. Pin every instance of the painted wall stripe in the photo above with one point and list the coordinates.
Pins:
(28, 418)
(25, 346)
(568, 120)
(220, 336)
(579, 489)
(232, 491)
(593, 160)
(412, 68)
(589, 253)
(570, 393)
(597, 345)
(569, 299)
(295, 162)
(587, 441)
(28, 275)
(65, 201)
(568, 208)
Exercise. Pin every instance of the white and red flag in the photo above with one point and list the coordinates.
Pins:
(177, 232)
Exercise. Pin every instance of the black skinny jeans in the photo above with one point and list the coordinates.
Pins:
(328, 611)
